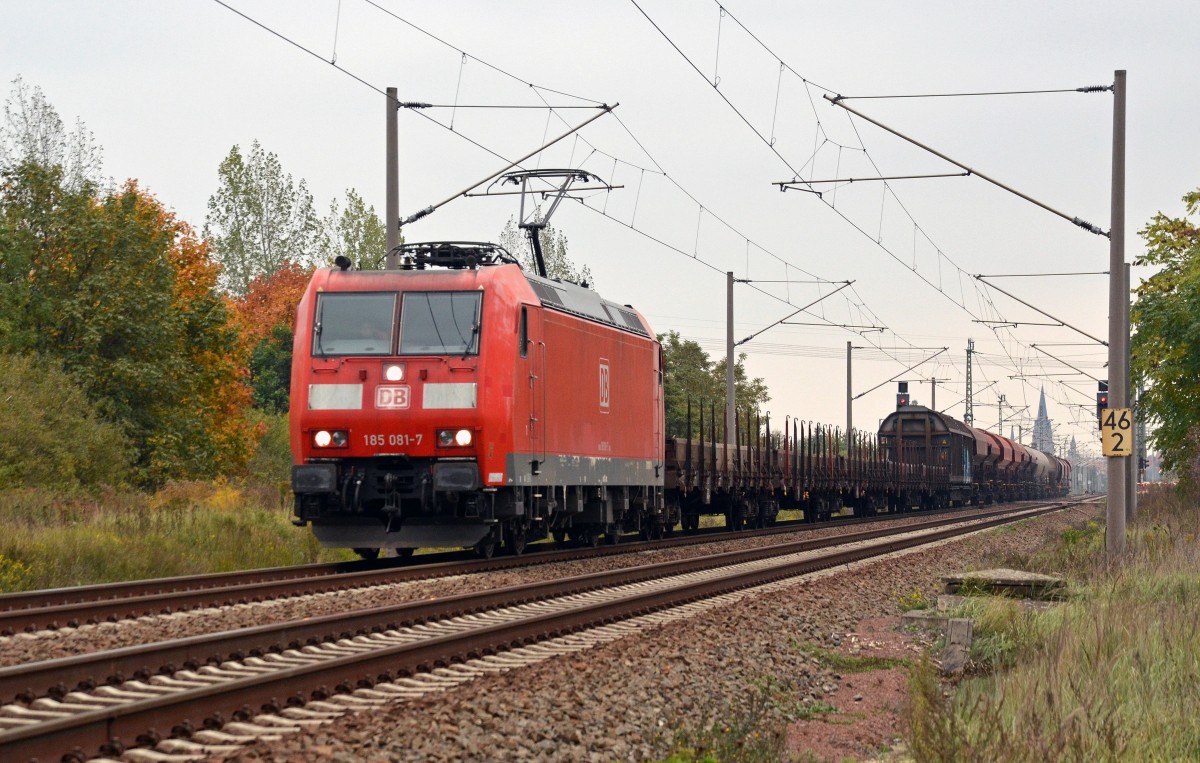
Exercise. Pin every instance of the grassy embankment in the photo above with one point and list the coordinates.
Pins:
(1112, 674)
(51, 540)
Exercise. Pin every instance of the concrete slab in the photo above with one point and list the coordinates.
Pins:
(1006, 582)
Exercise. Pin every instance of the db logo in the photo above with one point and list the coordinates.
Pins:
(391, 397)
(604, 385)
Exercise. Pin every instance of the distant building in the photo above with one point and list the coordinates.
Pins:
(1043, 432)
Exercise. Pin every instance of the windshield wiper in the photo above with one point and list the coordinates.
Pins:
(317, 326)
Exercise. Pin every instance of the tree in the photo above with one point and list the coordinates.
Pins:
(355, 232)
(1166, 348)
(123, 294)
(689, 374)
(267, 316)
(53, 436)
(259, 219)
(554, 253)
(32, 133)
(271, 301)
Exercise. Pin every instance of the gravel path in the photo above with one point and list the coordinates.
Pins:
(630, 699)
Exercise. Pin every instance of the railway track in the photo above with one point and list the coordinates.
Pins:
(306, 672)
(71, 607)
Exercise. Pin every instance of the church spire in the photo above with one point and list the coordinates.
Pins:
(1043, 432)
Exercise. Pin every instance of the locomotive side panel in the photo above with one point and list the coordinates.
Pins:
(605, 390)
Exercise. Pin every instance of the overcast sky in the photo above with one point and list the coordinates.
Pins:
(714, 109)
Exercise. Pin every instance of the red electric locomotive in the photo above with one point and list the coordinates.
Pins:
(462, 402)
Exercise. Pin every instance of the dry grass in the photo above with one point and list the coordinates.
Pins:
(52, 540)
(1108, 675)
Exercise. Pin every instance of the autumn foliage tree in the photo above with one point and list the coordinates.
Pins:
(267, 314)
(124, 295)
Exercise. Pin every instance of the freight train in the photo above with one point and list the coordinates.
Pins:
(982, 467)
(460, 401)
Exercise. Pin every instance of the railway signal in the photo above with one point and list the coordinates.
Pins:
(902, 395)
(1101, 400)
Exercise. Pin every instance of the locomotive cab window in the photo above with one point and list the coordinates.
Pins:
(354, 324)
(440, 323)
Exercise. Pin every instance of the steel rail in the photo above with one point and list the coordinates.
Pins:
(55, 678)
(103, 730)
(54, 608)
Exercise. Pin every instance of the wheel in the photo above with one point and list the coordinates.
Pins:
(560, 536)
(591, 538)
(514, 541)
(614, 534)
(367, 553)
(485, 548)
(404, 553)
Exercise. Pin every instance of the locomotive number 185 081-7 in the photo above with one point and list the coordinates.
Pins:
(401, 440)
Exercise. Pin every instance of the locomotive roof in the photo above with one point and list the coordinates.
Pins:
(578, 300)
(554, 294)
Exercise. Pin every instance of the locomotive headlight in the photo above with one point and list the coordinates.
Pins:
(455, 438)
(326, 438)
(393, 372)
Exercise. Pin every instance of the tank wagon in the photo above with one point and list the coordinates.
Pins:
(462, 402)
(983, 467)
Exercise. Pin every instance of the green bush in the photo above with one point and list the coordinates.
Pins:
(271, 464)
(53, 437)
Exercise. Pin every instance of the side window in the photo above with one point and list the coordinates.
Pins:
(523, 332)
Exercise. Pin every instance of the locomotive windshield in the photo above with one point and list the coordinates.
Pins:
(354, 324)
(440, 323)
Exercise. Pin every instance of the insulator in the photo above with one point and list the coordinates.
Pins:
(1088, 226)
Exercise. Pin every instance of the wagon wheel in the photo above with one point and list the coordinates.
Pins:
(731, 520)
(404, 553)
(560, 535)
(514, 541)
(614, 534)
(485, 548)
(367, 553)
